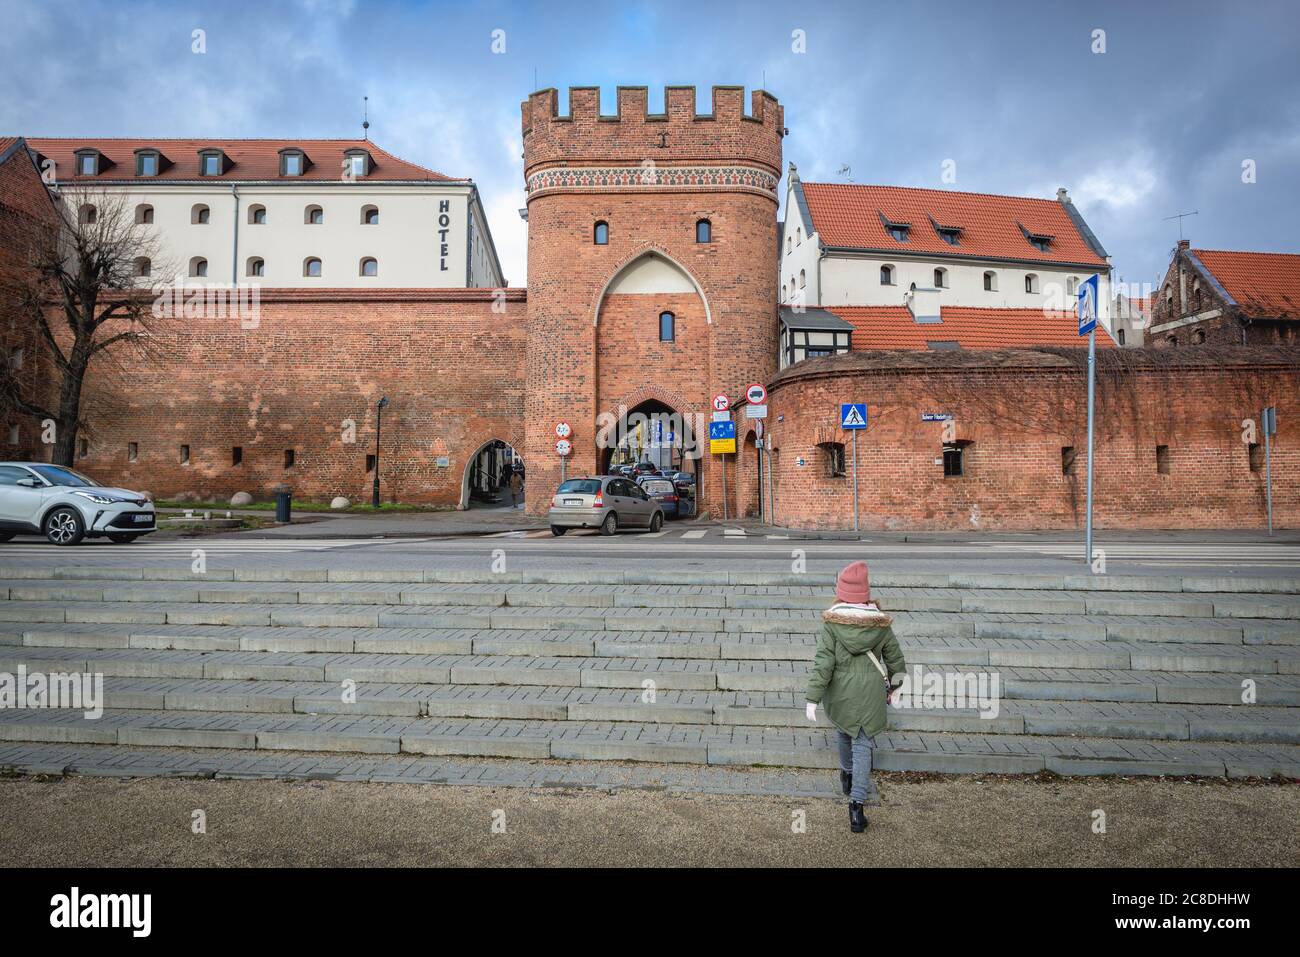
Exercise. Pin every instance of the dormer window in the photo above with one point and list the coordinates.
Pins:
(212, 163)
(293, 162)
(356, 163)
(88, 162)
(148, 163)
(1040, 241)
(950, 235)
(897, 231)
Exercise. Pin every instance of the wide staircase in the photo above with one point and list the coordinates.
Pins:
(1098, 675)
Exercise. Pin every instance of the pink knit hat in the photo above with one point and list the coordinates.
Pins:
(852, 585)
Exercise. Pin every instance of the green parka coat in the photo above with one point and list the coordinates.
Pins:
(843, 680)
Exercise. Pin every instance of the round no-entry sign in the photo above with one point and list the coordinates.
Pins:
(563, 430)
(563, 447)
(721, 403)
(756, 394)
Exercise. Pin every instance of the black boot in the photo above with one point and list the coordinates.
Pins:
(857, 819)
(846, 782)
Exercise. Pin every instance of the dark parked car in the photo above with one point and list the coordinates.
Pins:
(663, 491)
(646, 468)
(684, 482)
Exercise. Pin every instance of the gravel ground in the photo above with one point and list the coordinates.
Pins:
(960, 821)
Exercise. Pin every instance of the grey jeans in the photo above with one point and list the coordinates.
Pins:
(855, 757)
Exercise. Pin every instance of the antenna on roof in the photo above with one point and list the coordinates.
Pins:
(365, 120)
(1179, 217)
(846, 171)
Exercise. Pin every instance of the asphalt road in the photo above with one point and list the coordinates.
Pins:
(957, 821)
(690, 546)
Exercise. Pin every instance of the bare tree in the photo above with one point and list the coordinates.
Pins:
(83, 296)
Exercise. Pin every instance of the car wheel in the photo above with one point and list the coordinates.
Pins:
(557, 530)
(610, 525)
(122, 538)
(63, 526)
(657, 522)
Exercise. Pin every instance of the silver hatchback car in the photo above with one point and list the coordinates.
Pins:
(607, 502)
(65, 506)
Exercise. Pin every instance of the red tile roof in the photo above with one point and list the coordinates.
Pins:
(850, 215)
(892, 327)
(247, 160)
(1266, 285)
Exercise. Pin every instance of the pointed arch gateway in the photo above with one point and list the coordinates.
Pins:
(650, 270)
(651, 384)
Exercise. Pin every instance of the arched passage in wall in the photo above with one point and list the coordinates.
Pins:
(485, 481)
(746, 500)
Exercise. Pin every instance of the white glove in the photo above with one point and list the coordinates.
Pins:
(811, 711)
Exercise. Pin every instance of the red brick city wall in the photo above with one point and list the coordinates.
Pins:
(575, 365)
(26, 212)
(450, 366)
(1013, 465)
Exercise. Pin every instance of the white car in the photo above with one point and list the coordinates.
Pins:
(66, 506)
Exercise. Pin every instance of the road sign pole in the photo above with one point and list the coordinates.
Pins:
(723, 462)
(1092, 375)
(1268, 471)
(855, 480)
(771, 495)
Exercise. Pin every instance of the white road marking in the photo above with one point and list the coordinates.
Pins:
(695, 533)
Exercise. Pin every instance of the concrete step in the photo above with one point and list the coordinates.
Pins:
(264, 652)
(758, 598)
(1162, 721)
(881, 579)
(663, 743)
(1215, 631)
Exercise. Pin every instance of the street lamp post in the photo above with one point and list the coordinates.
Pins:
(379, 418)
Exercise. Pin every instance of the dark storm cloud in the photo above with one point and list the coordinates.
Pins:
(1012, 93)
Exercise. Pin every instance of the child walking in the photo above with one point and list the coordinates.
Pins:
(858, 665)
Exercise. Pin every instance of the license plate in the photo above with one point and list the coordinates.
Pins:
(573, 501)
(141, 519)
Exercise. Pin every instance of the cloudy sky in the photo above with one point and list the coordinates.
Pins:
(1013, 93)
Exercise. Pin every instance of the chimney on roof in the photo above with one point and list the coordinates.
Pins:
(1062, 195)
(1184, 244)
(794, 173)
(923, 304)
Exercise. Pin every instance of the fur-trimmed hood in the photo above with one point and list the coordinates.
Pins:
(856, 616)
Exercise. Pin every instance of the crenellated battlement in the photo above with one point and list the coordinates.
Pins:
(634, 134)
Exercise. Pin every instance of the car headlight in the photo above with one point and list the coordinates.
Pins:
(99, 499)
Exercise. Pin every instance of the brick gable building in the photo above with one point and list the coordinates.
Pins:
(1222, 297)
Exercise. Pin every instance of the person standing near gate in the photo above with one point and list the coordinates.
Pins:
(516, 489)
(857, 667)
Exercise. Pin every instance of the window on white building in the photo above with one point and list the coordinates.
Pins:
(257, 215)
(256, 266)
(1031, 283)
(886, 275)
(941, 278)
(369, 215)
(200, 215)
(198, 267)
(313, 216)
(369, 266)
(990, 281)
(311, 267)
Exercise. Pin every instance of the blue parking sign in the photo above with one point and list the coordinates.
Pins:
(853, 415)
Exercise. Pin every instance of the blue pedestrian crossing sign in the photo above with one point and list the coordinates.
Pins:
(1088, 307)
(853, 415)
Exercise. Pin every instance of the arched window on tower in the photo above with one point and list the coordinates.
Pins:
(667, 327)
(600, 235)
(703, 231)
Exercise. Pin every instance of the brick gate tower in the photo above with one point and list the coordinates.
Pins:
(652, 262)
